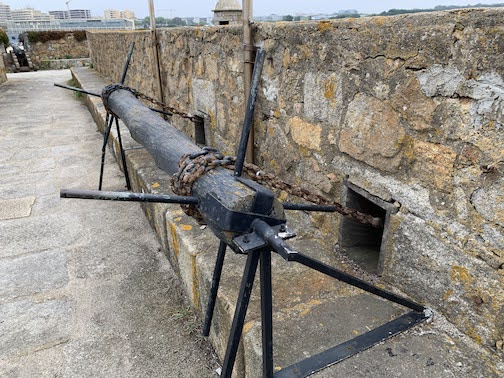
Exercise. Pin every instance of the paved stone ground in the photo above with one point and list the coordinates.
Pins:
(85, 290)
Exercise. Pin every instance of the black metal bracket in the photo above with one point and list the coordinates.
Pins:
(258, 245)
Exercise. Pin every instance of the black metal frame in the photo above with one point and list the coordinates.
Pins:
(258, 245)
(257, 234)
(110, 120)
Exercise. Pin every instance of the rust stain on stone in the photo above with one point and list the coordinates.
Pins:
(248, 326)
(305, 134)
(459, 274)
(324, 26)
(175, 244)
(329, 89)
(186, 227)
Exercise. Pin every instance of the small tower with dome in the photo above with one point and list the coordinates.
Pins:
(227, 12)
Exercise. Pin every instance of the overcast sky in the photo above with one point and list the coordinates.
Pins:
(203, 8)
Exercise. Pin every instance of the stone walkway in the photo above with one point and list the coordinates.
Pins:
(85, 290)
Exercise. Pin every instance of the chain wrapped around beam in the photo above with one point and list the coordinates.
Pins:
(193, 166)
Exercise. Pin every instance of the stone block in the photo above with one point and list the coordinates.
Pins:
(30, 326)
(305, 134)
(372, 133)
(432, 164)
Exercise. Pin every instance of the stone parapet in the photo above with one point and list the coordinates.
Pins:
(65, 48)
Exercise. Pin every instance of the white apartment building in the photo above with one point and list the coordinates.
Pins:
(5, 14)
(29, 14)
(115, 14)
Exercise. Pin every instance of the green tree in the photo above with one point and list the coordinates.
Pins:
(177, 21)
(288, 18)
(4, 38)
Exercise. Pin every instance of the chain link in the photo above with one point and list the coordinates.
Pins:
(193, 166)
(109, 89)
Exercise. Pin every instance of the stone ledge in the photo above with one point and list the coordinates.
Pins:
(311, 312)
(60, 64)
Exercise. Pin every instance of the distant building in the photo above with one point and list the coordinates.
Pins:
(18, 27)
(227, 12)
(5, 14)
(110, 14)
(80, 14)
(29, 14)
(59, 15)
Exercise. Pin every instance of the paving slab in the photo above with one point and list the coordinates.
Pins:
(16, 207)
(85, 290)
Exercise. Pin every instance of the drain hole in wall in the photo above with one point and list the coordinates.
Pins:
(362, 243)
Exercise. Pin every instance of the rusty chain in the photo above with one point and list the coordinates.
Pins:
(109, 89)
(193, 166)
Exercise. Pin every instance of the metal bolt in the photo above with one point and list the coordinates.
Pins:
(246, 239)
(283, 228)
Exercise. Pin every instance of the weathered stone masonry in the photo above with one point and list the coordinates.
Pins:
(64, 49)
(408, 108)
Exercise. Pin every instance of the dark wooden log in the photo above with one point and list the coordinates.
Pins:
(167, 145)
(164, 142)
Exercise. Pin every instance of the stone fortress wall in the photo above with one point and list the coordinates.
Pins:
(406, 110)
(66, 47)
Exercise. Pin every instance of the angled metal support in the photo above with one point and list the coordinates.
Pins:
(261, 241)
(106, 135)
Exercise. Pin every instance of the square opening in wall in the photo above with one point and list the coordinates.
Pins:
(363, 243)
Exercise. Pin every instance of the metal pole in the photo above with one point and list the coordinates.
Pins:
(248, 122)
(155, 51)
(219, 263)
(248, 59)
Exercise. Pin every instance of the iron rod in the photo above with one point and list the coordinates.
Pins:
(127, 63)
(123, 155)
(307, 207)
(354, 281)
(78, 90)
(104, 150)
(240, 312)
(99, 95)
(219, 263)
(351, 347)
(248, 56)
(283, 249)
(249, 114)
(127, 196)
(266, 312)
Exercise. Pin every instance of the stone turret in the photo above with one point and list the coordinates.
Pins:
(227, 12)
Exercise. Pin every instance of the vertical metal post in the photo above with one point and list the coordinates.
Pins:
(215, 287)
(240, 312)
(155, 51)
(248, 59)
(104, 149)
(123, 155)
(266, 313)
